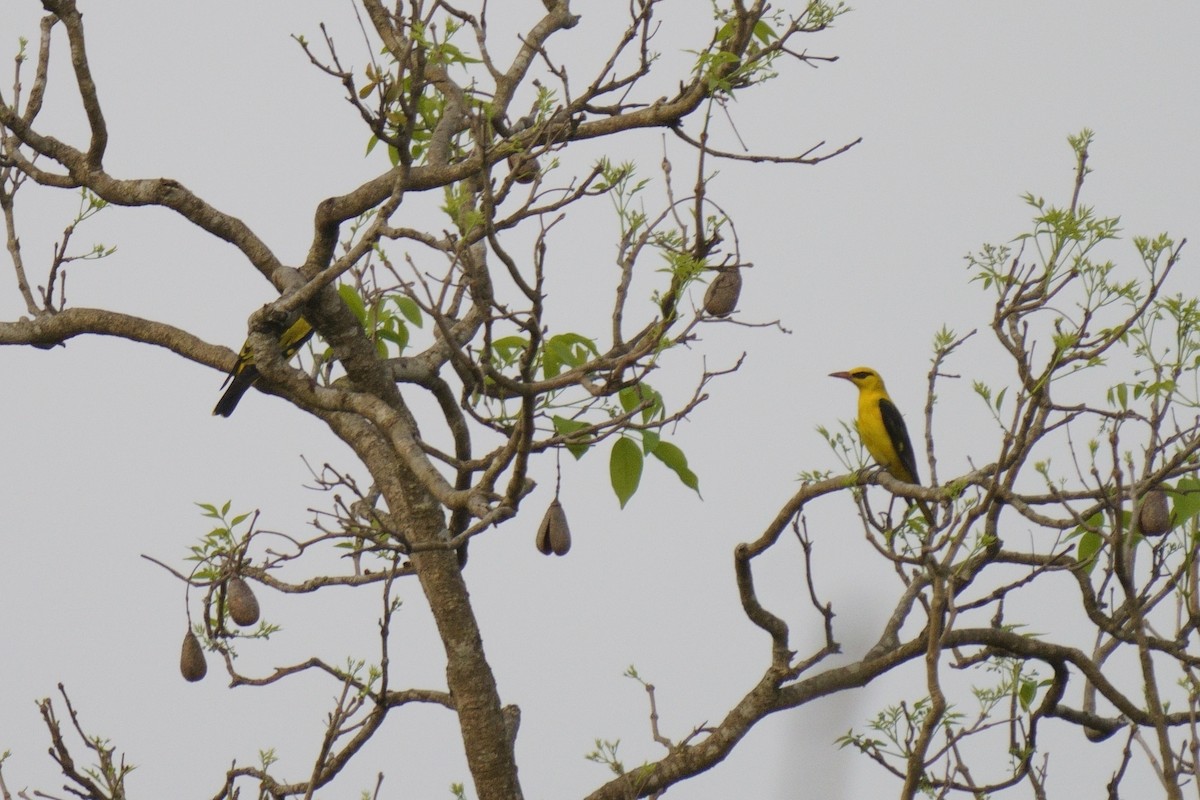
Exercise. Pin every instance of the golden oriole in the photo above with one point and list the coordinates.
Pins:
(882, 429)
(244, 373)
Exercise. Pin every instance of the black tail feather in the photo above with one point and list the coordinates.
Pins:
(238, 384)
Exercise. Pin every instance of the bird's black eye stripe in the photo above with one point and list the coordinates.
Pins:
(861, 375)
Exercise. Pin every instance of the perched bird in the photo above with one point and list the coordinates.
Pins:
(882, 429)
(244, 373)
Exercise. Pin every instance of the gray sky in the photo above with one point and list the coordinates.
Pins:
(961, 106)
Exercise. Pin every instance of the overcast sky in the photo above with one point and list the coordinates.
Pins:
(962, 107)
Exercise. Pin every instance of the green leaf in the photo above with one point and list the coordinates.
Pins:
(577, 341)
(1027, 694)
(1122, 395)
(409, 308)
(354, 302)
(1086, 549)
(396, 333)
(625, 468)
(674, 458)
(1187, 499)
(633, 396)
(507, 349)
(763, 32)
(650, 440)
(566, 427)
(552, 361)
(629, 397)
(569, 349)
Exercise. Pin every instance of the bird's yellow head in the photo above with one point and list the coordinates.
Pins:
(865, 378)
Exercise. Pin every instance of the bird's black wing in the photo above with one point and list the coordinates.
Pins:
(898, 433)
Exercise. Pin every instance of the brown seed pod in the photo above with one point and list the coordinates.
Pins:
(554, 536)
(1154, 516)
(241, 602)
(524, 167)
(1193, 595)
(191, 661)
(721, 298)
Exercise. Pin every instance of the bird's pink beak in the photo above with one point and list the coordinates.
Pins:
(843, 375)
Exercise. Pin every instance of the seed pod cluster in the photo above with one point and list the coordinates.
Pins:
(241, 602)
(1154, 515)
(554, 536)
(191, 660)
(722, 296)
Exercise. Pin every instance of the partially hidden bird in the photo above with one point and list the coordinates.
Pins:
(244, 373)
(882, 429)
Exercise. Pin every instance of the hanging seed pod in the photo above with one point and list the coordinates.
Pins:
(524, 167)
(1193, 596)
(1154, 516)
(553, 535)
(721, 298)
(1126, 548)
(241, 602)
(191, 661)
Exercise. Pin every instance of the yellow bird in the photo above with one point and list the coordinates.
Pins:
(244, 373)
(882, 428)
